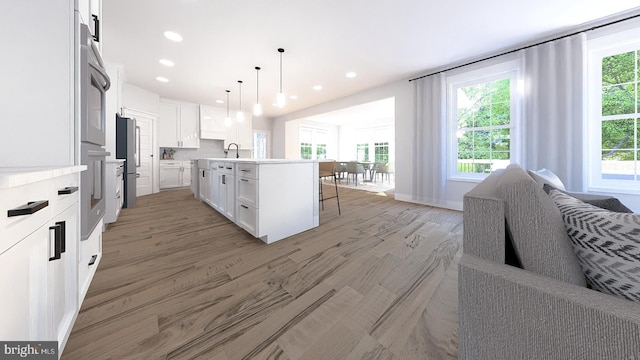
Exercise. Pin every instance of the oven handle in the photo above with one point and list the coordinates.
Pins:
(103, 75)
(95, 153)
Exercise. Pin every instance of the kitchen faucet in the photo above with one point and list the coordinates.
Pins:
(237, 149)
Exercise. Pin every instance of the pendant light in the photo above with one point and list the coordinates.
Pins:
(240, 114)
(281, 99)
(227, 120)
(257, 108)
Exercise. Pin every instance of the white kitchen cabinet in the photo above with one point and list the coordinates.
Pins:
(114, 182)
(186, 173)
(23, 306)
(39, 236)
(46, 110)
(170, 174)
(178, 125)
(212, 124)
(91, 14)
(271, 199)
(90, 254)
(223, 190)
(175, 173)
(63, 280)
(205, 185)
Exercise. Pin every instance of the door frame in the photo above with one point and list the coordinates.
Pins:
(155, 163)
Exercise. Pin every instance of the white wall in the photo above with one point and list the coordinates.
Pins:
(137, 98)
(401, 91)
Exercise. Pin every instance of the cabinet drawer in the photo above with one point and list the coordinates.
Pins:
(248, 170)
(66, 192)
(90, 255)
(247, 191)
(226, 168)
(34, 200)
(247, 218)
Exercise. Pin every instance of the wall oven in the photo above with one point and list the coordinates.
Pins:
(94, 84)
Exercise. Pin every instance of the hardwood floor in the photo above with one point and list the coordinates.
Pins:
(179, 281)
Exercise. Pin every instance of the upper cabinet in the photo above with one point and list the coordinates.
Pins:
(91, 15)
(178, 124)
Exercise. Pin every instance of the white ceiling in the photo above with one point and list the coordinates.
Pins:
(381, 40)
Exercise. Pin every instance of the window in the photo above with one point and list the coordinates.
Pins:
(614, 125)
(381, 152)
(313, 143)
(482, 106)
(362, 152)
(306, 151)
(259, 150)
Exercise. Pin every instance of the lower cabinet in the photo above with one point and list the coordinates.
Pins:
(62, 271)
(271, 200)
(114, 182)
(205, 185)
(90, 251)
(39, 234)
(23, 306)
(174, 173)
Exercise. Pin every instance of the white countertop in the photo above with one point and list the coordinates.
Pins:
(17, 176)
(260, 161)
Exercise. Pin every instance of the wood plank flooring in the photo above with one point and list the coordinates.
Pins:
(179, 281)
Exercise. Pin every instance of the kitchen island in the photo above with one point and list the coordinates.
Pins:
(269, 198)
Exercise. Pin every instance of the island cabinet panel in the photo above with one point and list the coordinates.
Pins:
(271, 199)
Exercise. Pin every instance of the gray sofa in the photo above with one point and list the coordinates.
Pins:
(544, 309)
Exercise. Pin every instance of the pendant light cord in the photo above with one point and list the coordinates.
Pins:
(257, 84)
(228, 91)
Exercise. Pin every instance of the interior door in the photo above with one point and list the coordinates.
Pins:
(144, 142)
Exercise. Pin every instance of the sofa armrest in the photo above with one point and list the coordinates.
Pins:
(509, 313)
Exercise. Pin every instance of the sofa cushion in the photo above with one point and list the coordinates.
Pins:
(601, 201)
(606, 243)
(537, 229)
(546, 176)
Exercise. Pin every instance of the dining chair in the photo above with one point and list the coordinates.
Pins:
(386, 168)
(327, 169)
(353, 168)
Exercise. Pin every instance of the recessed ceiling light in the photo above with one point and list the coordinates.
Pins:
(220, 101)
(166, 62)
(351, 74)
(162, 79)
(173, 36)
(293, 97)
(317, 87)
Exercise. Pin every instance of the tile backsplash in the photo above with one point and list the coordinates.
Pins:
(208, 149)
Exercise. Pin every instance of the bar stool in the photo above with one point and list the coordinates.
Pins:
(328, 169)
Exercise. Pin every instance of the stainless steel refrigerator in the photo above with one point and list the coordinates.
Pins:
(127, 149)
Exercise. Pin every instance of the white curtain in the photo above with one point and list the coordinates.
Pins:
(429, 129)
(554, 101)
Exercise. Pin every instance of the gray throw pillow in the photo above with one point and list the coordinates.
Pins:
(606, 243)
(601, 201)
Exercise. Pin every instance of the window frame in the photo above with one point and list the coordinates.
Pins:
(507, 69)
(599, 48)
(317, 134)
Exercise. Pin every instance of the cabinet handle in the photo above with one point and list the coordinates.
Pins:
(68, 190)
(57, 241)
(220, 166)
(224, 179)
(96, 28)
(244, 206)
(229, 168)
(245, 170)
(32, 207)
(63, 235)
(93, 259)
(244, 180)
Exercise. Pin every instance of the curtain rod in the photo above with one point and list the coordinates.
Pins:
(529, 46)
